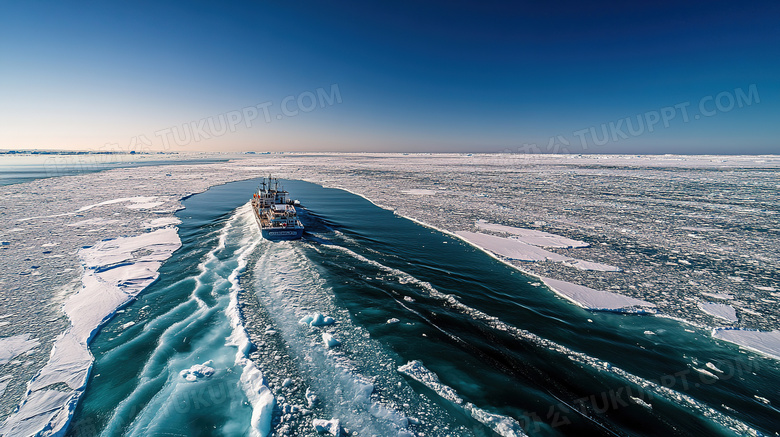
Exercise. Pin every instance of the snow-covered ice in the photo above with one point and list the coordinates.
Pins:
(516, 248)
(317, 320)
(590, 265)
(13, 346)
(162, 222)
(723, 311)
(198, 371)
(329, 340)
(598, 299)
(332, 427)
(4, 379)
(510, 248)
(533, 236)
(128, 201)
(115, 271)
(718, 295)
(767, 343)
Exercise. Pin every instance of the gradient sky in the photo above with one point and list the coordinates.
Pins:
(411, 76)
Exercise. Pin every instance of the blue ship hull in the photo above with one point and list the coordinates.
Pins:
(274, 234)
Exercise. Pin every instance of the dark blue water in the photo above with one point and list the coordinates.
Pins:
(519, 359)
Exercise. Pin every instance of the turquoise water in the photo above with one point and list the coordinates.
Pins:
(524, 359)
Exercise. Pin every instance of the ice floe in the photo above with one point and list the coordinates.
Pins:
(590, 265)
(723, 311)
(162, 222)
(13, 346)
(533, 236)
(317, 320)
(332, 427)
(130, 201)
(598, 300)
(4, 380)
(329, 340)
(260, 397)
(718, 295)
(510, 248)
(515, 248)
(763, 342)
(198, 371)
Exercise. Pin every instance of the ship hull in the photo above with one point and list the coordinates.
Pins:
(275, 234)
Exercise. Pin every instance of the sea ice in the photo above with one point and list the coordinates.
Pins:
(640, 401)
(510, 248)
(767, 343)
(419, 192)
(128, 200)
(597, 299)
(532, 236)
(11, 347)
(311, 397)
(260, 397)
(723, 311)
(114, 274)
(4, 380)
(198, 371)
(317, 319)
(40, 407)
(162, 222)
(332, 427)
(329, 340)
(590, 265)
(718, 295)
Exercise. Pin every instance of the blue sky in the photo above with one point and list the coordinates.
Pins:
(690, 77)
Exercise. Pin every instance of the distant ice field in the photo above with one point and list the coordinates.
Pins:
(375, 324)
(15, 169)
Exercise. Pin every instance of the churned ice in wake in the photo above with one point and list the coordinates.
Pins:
(344, 375)
(332, 427)
(252, 380)
(317, 319)
(723, 311)
(198, 371)
(766, 343)
(597, 299)
(329, 340)
(503, 425)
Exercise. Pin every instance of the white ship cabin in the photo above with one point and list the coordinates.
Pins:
(281, 197)
(283, 215)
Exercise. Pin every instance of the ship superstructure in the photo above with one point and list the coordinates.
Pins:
(275, 213)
